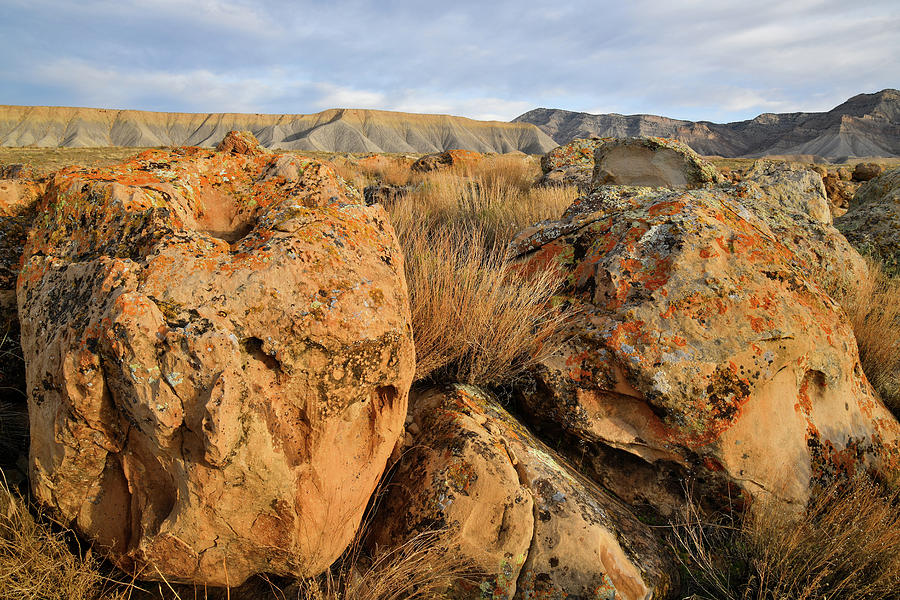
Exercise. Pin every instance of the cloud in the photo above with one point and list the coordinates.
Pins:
(694, 59)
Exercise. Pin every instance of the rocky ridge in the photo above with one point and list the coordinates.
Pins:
(865, 125)
(336, 130)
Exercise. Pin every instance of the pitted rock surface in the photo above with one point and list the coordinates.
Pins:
(576, 176)
(791, 188)
(531, 526)
(577, 153)
(445, 160)
(651, 161)
(218, 357)
(872, 223)
(704, 342)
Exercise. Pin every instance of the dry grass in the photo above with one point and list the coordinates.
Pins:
(37, 563)
(846, 545)
(475, 320)
(446, 200)
(874, 311)
(423, 568)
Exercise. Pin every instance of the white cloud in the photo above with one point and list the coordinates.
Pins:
(696, 59)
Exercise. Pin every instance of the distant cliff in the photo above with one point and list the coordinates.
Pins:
(865, 125)
(336, 130)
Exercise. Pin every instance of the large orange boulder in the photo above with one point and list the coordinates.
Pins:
(219, 354)
(706, 348)
(530, 526)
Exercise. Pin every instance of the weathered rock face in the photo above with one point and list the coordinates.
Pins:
(872, 223)
(577, 153)
(444, 160)
(791, 188)
(705, 345)
(218, 358)
(17, 195)
(528, 523)
(576, 176)
(651, 161)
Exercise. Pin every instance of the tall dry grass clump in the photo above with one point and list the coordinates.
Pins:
(446, 200)
(37, 563)
(873, 308)
(423, 568)
(475, 318)
(846, 545)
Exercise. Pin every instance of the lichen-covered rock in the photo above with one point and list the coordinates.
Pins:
(577, 153)
(651, 161)
(445, 160)
(531, 527)
(791, 187)
(705, 344)
(241, 142)
(574, 175)
(872, 223)
(218, 355)
(803, 224)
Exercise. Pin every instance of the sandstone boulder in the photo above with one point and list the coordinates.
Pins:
(574, 175)
(532, 527)
(651, 161)
(218, 354)
(706, 348)
(790, 187)
(577, 153)
(872, 223)
(447, 159)
(241, 142)
(867, 171)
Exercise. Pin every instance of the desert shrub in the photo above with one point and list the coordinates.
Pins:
(475, 319)
(37, 562)
(873, 308)
(845, 545)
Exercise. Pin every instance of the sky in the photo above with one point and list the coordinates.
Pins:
(717, 60)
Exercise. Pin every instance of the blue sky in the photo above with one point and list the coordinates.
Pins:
(692, 59)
